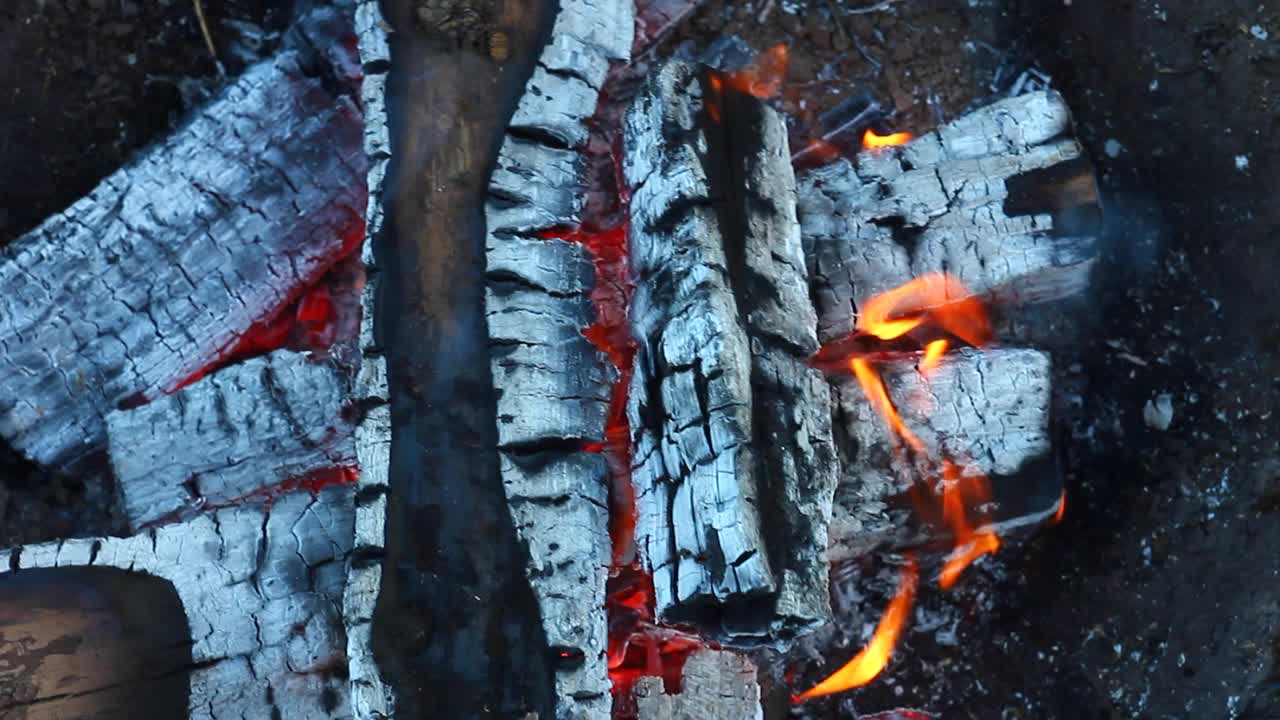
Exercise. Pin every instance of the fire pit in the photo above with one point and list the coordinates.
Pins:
(650, 359)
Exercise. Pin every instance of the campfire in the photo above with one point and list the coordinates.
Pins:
(698, 363)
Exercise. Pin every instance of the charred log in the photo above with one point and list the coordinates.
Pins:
(169, 261)
(248, 427)
(728, 420)
(553, 385)
(262, 590)
(1000, 198)
(716, 686)
(989, 408)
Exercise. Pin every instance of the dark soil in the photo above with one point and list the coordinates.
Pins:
(84, 84)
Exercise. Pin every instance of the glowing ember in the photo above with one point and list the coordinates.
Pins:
(872, 141)
(762, 79)
(868, 663)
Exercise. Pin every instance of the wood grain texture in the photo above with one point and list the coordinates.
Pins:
(716, 685)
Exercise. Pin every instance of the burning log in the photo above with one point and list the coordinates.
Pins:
(250, 426)
(990, 407)
(729, 422)
(167, 264)
(553, 385)
(262, 591)
(717, 685)
(1001, 199)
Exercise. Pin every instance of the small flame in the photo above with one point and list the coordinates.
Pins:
(764, 78)
(962, 493)
(1062, 508)
(873, 386)
(872, 141)
(867, 664)
(933, 353)
(937, 298)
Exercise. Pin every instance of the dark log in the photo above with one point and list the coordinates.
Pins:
(262, 592)
(715, 685)
(147, 280)
(96, 643)
(250, 426)
(728, 420)
(553, 386)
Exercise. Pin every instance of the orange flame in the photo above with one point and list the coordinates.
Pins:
(876, 392)
(764, 78)
(933, 353)
(936, 297)
(960, 494)
(872, 141)
(1062, 508)
(873, 658)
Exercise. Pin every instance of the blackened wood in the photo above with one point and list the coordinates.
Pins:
(553, 386)
(171, 259)
(247, 427)
(262, 592)
(455, 631)
(715, 685)
(729, 422)
(972, 198)
(96, 643)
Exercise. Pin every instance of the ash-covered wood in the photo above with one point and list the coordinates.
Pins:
(171, 259)
(371, 698)
(262, 590)
(246, 427)
(553, 386)
(715, 685)
(988, 410)
(1000, 198)
(729, 423)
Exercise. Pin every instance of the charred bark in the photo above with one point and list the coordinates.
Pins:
(553, 385)
(250, 426)
(1000, 198)
(728, 420)
(146, 281)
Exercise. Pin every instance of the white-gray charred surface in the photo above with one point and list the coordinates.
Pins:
(987, 410)
(371, 698)
(728, 421)
(553, 386)
(987, 198)
(246, 427)
(172, 258)
(715, 685)
(262, 590)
